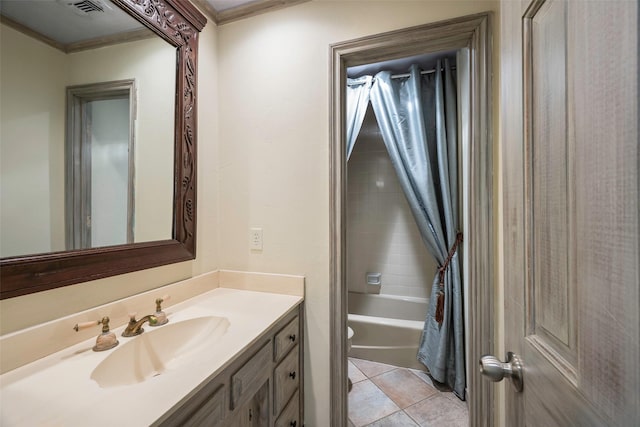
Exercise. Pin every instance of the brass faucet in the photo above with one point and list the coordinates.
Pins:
(135, 326)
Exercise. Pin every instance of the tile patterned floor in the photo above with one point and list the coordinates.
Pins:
(388, 396)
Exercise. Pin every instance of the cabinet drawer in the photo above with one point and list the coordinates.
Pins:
(290, 417)
(210, 413)
(250, 377)
(286, 379)
(286, 339)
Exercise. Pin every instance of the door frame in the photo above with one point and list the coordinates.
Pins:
(78, 157)
(473, 33)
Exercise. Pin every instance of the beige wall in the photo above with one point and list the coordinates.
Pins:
(31, 126)
(264, 162)
(274, 158)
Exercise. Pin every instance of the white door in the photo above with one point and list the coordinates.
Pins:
(569, 132)
(100, 165)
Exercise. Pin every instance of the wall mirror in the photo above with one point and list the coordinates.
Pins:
(98, 139)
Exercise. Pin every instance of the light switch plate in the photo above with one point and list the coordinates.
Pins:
(255, 239)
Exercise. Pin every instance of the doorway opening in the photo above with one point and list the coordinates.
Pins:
(404, 213)
(100, 165)
(469, 36)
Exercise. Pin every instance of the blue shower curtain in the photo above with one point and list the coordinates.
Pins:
(358, 91)
(417, 117)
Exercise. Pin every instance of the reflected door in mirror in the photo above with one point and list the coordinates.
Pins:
(100, 173)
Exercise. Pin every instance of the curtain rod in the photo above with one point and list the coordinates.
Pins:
(405, 75)
(433, 70)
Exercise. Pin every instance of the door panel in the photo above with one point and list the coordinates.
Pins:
(548, 162)
(569, 115)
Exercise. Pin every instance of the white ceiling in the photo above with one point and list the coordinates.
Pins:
(220, 5)
(64, 22)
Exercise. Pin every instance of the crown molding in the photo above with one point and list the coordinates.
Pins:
(243, 11)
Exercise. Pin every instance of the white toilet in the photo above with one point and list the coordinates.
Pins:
(349, 336)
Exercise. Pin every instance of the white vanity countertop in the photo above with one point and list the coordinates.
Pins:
(58, 390)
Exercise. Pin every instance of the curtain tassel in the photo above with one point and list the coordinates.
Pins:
(441, 271)
(440, 306)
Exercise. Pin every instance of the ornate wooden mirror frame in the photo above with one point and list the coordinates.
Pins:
(179, 23)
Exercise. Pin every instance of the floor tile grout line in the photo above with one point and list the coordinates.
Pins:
(415, 372)
(386, 416)
(403, 410)
(436, 394)
(385, 372)
(396, 403)
(387, 396)
(413, 419)
(393, 368)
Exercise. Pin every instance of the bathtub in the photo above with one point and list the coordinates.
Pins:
(386, 328)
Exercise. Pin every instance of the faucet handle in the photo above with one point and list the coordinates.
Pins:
(106, 340)
(85, 325)
(161, 315)
(160, 300)
(104, 322)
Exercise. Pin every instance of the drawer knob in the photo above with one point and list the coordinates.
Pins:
(292, 337)
(292, 375)
(293, 423)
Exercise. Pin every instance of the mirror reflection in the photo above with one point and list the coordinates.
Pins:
(86, 128)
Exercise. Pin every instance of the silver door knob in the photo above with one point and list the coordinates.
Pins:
(495, 370)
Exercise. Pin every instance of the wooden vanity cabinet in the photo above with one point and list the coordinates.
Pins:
(262, 387)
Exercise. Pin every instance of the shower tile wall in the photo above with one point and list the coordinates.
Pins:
(381, 233)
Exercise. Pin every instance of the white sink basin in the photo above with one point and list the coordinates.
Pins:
(157, 350)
